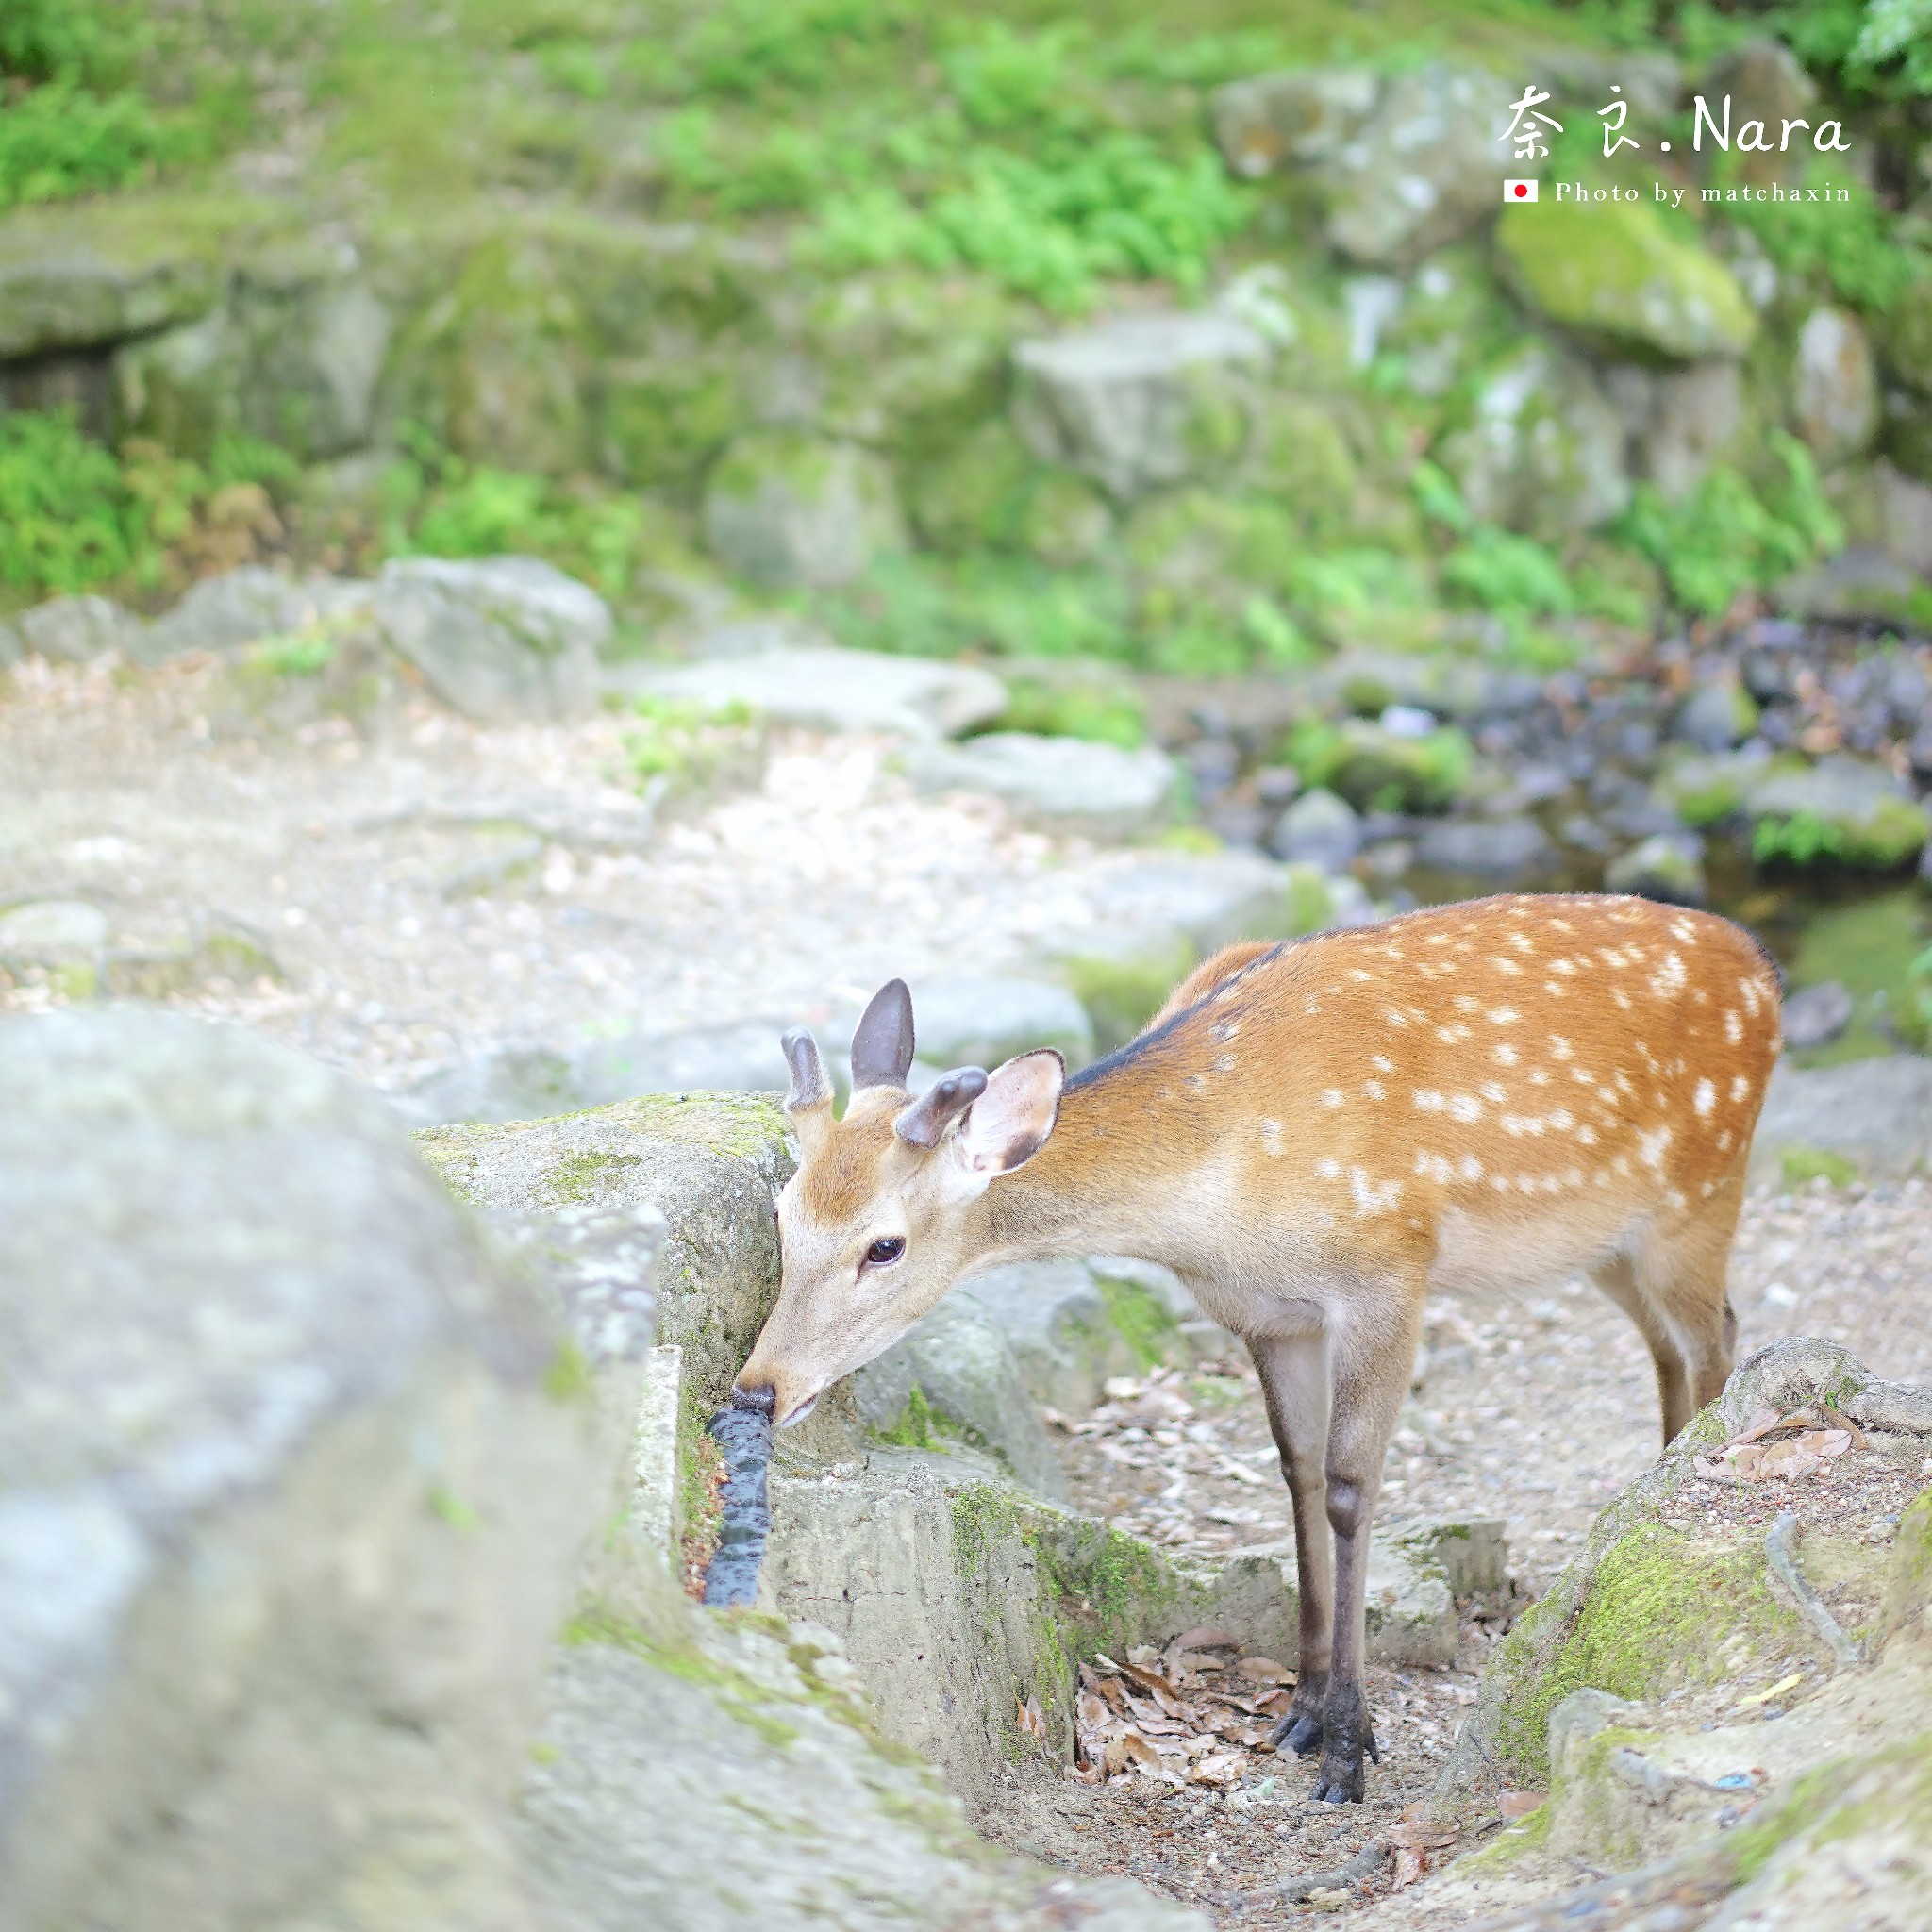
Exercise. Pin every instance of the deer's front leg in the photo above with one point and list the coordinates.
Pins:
(1374, 1357)
(1294, 1382)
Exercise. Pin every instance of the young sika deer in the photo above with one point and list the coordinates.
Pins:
(1312, 1135)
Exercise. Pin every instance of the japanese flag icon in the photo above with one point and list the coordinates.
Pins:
(1518, 190)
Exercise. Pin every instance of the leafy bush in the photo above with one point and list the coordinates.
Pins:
(437, 504)
(1724, 538)
(74, 515)
(1851, 246)
(1499, 570)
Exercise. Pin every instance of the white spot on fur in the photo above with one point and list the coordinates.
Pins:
(1703, 1099)
(1740, 1089)
(1271, 1134)
(1381, 1063)
(1375, 1089)
(1734, 1027)
(1328, 1169)
(1465, 1107)
(1752, 1002)
(1469, 1168)
(1493, 1093)
(1651, 1147)
(1503, 1016)
(1560, 1047)
(1450, 1035)
(1332, 1098)
(1506, 966)
(1372, 1197)
(1561, 1119)
(1429, 1100)
(1586, 1136)
(1503, 1055)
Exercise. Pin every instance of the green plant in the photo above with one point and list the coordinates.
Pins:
(58, 141)
(1725, 537)
(1496, 570)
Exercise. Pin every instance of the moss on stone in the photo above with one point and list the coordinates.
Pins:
(1122, 992)
(1145, 1323)
(1617, 274)
(577, 1178)
(1660, 1611)
(1800, 1162)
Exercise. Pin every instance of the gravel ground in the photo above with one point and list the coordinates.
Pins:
(448, 888)
(453, 887)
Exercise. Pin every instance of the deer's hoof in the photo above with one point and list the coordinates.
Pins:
(1301, 1733)
(1339, 1789)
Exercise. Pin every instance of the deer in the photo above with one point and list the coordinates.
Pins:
(1314, 1135)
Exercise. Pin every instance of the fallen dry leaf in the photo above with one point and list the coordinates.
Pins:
(1091, 1712)
(1515, 1804)
(1416, 1834)
(1220, 1768)
(1262, 1669)
(1027, 1716)
(1409, 1866)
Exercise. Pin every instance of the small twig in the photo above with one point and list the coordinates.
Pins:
(1366, 1863)
(1778, 1553)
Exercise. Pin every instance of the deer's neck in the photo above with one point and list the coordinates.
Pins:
(1102, 1184)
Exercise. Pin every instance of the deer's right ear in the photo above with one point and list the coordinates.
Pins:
(1010, 1121)
(810, 1102)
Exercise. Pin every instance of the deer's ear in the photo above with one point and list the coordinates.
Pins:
(1009, 1123)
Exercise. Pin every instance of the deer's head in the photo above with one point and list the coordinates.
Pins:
(879, 1221)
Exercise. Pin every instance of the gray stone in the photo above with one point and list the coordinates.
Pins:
(1318, 828)
(1212, 901)
(831, 689)
(1716, 716)
(1651, 80)
(1876, 1113)
(1503, 849)
(1301, 114)
(1072, 1323)
(980, 1021)
(1142, 402)
(701, 1774)
(51, 932)
(73, 630)
(1761, 79)
(1069, 783)
(13, 651)
(1544, 451)
(1463, 688)
(1906, 511)
(243, 607)
(1679, 421)
(500, 639)
(1854, 812)
(711, 1164)
(959, 1359)
(1666, 865)
(786, 511)
(287, 1515)
(1817, 1015)
(79, 277)
(1422, 171)
(1835, 392)
(1856, 583)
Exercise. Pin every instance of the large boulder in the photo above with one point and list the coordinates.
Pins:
(976, 1020)
(294, 355)
(1300, 114)
(1543, 449)
(71, 630)
(1616, 276)
(1141, 402)
(291, 1491)
(833, 689)
(241, 606)
(1840, 812)
(786, 511)
(500, 639)
(1835, 397)
(1870, 1117)
(1067, 783)
(1423, 168)
(93, 272)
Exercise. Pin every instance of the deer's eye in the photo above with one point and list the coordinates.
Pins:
(883, 1253)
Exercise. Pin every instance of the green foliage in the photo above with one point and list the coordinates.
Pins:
(75, 515)
(1895, 30)
(687, 744)
(1851, 247)
(306, 653)
(437, 504)
(1801, 1163)
(1376, 771)
(916, 1426)
(58, 141)
(1102, 709)
(1725, 537)
(1496, 570)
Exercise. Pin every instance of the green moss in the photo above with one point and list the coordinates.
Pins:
(1908, 1586)
(1618, 273)
(568, 1378)
(917, 1425)
(1801, 1163)
(1145, 1323)
(1122, 992)
(1659, 1611)
(1376, 769)
(580, 1177)
(738, 1695)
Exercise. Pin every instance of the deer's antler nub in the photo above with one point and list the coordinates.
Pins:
(810, 1087)
(921, 1124)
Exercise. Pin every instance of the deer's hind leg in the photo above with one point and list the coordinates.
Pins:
(1671, 1283)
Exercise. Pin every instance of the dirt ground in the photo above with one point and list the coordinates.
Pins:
(449, 889)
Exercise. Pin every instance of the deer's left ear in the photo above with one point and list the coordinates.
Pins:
(1010, 1122)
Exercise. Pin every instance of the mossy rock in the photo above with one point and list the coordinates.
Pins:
(710, 1163)
(1707, 789)
(1840, 811)
(1377, 769)
(1064, 520)
(86, 273)
(1906, 335)
(973, 496)
(1615, 274)
(1073, 697)
(1301, 457)
(786, 510)
(1125, 982)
